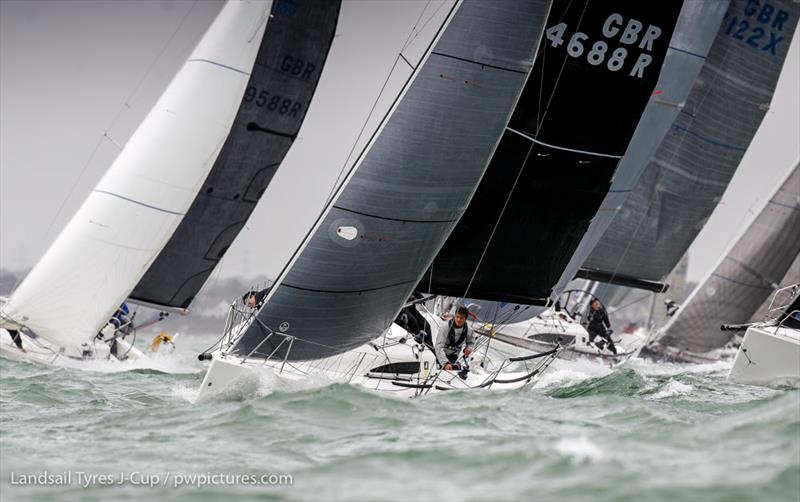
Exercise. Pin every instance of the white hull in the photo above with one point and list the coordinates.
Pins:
(40, 351)
(769, 355)
(545, 331)
(366, 366)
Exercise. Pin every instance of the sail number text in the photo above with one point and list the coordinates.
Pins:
(759, 26)
(632, 35)
(272, 102)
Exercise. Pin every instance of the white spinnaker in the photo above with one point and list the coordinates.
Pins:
(127, 219)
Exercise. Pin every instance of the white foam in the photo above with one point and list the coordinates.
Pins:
(579, 449)
(565, 372)
(652, 368)
(671, 389)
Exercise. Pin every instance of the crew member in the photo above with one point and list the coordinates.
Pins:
(452, 337)
(599, 325)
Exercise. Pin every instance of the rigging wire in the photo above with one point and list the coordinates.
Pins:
(335, 186)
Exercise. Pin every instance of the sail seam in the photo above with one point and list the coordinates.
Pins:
(487, 65)
(139, 203)
(392, 219)
(708, 140)
(315, 290)
(564, 148)
(676, 49)
(237, 70)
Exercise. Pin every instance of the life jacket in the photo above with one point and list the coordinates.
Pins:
(452, 343)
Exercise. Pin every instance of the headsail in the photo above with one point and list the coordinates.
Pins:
(400, 201)
(598, 65)
(692, 167)
(747, 274)
(283, 80)
(128, 218)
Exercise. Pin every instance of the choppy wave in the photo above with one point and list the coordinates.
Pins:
(584, 432)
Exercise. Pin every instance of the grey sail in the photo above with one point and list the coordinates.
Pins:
(748, 274)
(691, 42)
(369, 249)
(686, 177)
(290, 60)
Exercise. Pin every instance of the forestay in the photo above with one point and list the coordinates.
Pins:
(279, 91)
(692, 167)
(593, 76)
(127, 219)
(373, 243)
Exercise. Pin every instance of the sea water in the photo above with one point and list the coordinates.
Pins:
(643, 431)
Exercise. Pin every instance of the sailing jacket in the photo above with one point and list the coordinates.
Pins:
(598, 321)
(448, 343)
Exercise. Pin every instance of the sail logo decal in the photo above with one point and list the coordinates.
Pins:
(284, 327)
(348, 233)
(632, 34)
(759, 26)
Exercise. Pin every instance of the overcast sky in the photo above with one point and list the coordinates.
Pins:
(67, 70)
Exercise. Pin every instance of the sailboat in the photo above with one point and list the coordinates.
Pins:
(181, 189)
(770, 351)
(685, 153)
(747, 274)
(565, 324)
(332, 308)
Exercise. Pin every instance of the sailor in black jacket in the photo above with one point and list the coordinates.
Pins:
(599, 325)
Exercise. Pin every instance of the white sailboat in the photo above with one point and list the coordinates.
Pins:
(770, 351)
(162, 182)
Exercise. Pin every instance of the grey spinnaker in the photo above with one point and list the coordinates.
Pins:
(290, 61)
(692, 167)
(399, 204)
(746, 276)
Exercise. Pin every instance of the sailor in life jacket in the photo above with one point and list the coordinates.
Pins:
(452, 337)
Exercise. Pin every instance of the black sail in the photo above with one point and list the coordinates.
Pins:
(290, 60)
(593, 76)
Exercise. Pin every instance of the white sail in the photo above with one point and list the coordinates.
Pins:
(127, 219)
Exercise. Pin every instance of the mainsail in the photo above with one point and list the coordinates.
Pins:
(747, 274)
(133, 211)
(686, 177)
(594, 73)
(370, 247)
(279, 90)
